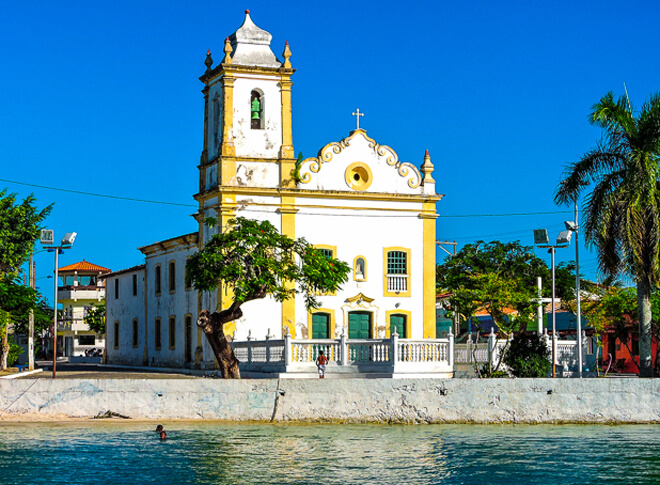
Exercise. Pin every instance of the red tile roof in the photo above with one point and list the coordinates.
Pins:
(85, 266)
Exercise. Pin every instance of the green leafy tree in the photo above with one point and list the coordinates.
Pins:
(622, 211)
(494, 276)
(19, 228)
(20, 224)
(95, 318)
(16, 301)
(528, 356)
(252, 260)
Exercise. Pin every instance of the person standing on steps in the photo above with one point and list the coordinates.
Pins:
(321, 362)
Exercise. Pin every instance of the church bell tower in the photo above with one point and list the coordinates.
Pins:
(248, 138)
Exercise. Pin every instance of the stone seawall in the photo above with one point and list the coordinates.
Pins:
(340, 400)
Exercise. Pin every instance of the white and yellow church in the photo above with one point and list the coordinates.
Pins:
(355, 199)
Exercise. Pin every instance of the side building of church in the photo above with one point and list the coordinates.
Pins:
(355, 199)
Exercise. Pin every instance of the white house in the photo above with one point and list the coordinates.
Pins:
(355, 199)
(80, 288)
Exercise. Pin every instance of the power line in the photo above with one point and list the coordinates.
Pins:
(510, 214)
(147, 201)
(107, 196)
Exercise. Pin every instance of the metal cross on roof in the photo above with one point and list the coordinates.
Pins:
(357, 115)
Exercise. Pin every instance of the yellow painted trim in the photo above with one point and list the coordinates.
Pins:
(226, 210)
(286, 150)
(362, 172)
(227, 148)
(408, 267)
(171, 337)
(408, 316)
(326, 246)
(364, 276)
(158, 330)
(288, 221)
(429, 273)
(316, 194)
(225, 69)
(330, 312)
(360, 296)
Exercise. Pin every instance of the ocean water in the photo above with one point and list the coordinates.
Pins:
(208, 453)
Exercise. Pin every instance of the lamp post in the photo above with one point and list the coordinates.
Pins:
(47, 239)
(573, 226)
(541, 240)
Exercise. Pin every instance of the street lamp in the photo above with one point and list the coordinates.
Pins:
(47, 239)
(541, 240)
(573, 226)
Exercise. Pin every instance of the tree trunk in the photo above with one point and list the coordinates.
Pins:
(4, 339)
(212, 324)
(645, 330)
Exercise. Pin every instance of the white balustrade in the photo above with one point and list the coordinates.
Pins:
(397, 283)
(367, 355)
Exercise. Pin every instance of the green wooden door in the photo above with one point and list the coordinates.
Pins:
(398, 322)
(359, 325)
(320, 325)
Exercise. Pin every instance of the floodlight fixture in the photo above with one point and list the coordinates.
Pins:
(541, 236)
(571, 226)
(564, 237)
(69, 238)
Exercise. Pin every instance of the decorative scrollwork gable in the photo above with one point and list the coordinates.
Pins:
(328, 153)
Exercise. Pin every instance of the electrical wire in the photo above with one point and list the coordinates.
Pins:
(147, 201)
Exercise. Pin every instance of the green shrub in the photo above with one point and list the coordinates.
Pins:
(14, 352)
(500, 374)
(528, 356)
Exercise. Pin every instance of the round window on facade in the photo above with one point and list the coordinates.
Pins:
(358, 176)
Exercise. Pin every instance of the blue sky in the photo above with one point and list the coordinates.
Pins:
(104, 97)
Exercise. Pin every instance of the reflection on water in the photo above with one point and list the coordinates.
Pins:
(127, 453)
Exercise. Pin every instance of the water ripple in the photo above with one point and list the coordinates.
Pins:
(200, 453)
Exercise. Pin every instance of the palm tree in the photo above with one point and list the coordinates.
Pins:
(622, 212)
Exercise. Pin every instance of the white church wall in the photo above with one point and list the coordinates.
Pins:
(366, 233)
(257, 174)
(261, 316)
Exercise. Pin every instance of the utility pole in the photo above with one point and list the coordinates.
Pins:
(577, 290)
(440, 244)
(31, 280)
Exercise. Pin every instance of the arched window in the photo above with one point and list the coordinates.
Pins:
(256, 110)
(135, 333)
(157, 280)
(158, 334)
(116, 336)
(360, 269)
(171, 275)
(172, 333)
